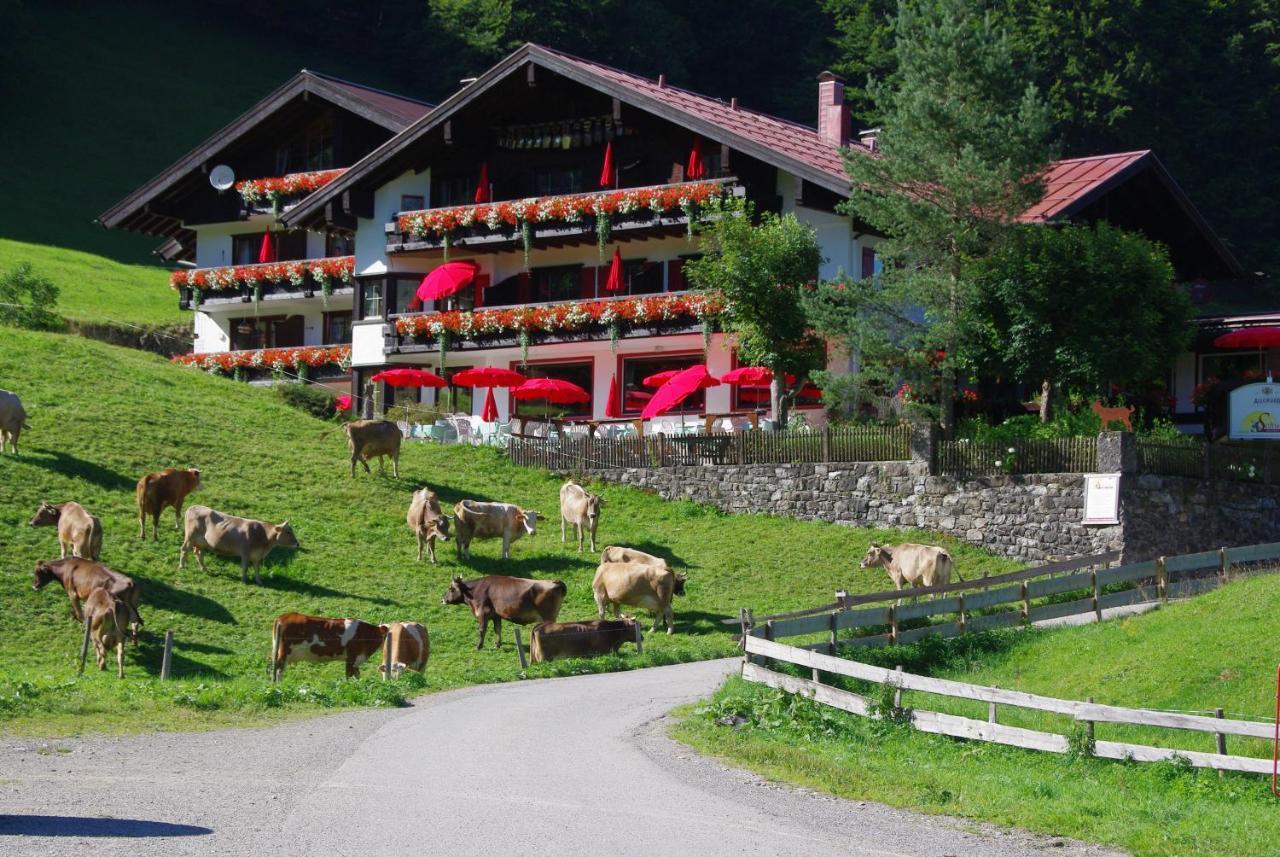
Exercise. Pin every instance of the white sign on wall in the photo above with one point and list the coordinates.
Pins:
(1255, 412)
(1102, 498)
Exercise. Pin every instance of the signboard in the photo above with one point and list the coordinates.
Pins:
(1255, 412)
(1102, 498)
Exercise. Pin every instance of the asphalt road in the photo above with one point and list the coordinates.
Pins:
(576, 766)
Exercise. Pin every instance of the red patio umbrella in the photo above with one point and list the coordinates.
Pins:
(450, 278)
(606, 171)
(696, 168)
(489, 376)
(657, 379)
(615, 282)
(407, 376)
(344, 402)
(551, 391)
(482, 189)
(749, 376)
(267, 252)
(1250, 337)
(490, 412)
(611, 408)
(678, 389)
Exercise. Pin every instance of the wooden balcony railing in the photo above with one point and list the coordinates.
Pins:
(245, 283)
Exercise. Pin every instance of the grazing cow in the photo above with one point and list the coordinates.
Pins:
(551, 640)
(496, 597)
(79, 577)
(427, 522)
(78, 531)
(210, 530)
(580, 508)
(295, 637)
(169, 487)
(13, 419)
(912, 564)
(410, 648)
(108, 618)
(373, 438)
(613, 553)
(649, 587)
(478, 520)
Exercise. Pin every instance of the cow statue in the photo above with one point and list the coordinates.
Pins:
(295, 637)
(551, 640)
(373, 439)
(911, 564)
(250, 540)
(168, 487)
(643, 585)
(496, 597)
(581, 509)
(108, 617)
(427, 522)
(78, 531)
(476, 520)
(13, 419)
(80, 577)
(410, 648)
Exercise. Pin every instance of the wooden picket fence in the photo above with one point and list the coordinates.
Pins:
(1024, 455)
(881, 625)
(1249, 461)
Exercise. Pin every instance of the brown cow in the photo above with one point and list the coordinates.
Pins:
(169, 487)
(295, 637)
(551, 640)
(78, 531)
(496, 597)
(477, 520)
(209, 530)
(79, 577)
(369, 438)
(410, 648)
(108, 618)
(581, 508)
(427, 522)
(649, 587)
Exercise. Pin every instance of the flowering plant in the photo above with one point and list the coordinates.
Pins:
(274, 189)
(278, 359)
(323, 271)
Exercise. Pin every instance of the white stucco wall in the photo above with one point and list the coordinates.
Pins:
(211, 332)
(371, 237)
(366, 343)
(213, 240)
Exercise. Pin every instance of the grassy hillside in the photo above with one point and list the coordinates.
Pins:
(101, 416)
(1217, 650)
(95, 288)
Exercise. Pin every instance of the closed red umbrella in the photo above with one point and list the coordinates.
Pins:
(448, 279)
(490, 412)
(1250, 337)
(696, 168)
(482, 189)
(615, 282)
(612, 410)
(606, 171)
(410, 377)
(267, 252)
(678, 389)
(489, 376)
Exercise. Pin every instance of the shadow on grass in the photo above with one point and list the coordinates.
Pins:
(150, 653)
(546, 567)
(72, 825)
(290, 584)
(77, 468)
(673, 559)
(158, 594)
(700, 621)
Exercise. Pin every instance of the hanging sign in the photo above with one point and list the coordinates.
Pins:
(1255, 412)
(1102, 498)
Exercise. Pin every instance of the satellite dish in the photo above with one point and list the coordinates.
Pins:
(222, 177)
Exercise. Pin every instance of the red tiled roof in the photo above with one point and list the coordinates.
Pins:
(1069, 182)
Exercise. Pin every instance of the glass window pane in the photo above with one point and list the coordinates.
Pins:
(371, 297)
(577, 373)
(635, 395)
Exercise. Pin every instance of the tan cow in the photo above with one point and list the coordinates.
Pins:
(478, 520)
(410, 647)
(108, 617)
(614, 553)
(78, 531)
(210, 530)
(648, 587)
(13, 419)
(168, 487)
(373, 438)
(427, 522)
(581, 508)
(912, 564)
(80, 577)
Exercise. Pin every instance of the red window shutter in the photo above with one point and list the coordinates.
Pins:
(868, 262)
(588, 275)
(523, 290)
(675, 275)
(481, 282)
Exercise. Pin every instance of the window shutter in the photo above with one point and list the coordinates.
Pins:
(868, 262)
(675, 275)
(523, 289)
(480, 283)
(588, 281)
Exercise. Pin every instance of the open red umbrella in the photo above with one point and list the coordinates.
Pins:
(552, 391)
(657, 379)
(749, 376)
(615, 282)
(1250, 337)
(611, 408)
(489, 376)
(490, 412)
(409, 377)
(696, 168)
(678, 389)
(267, 252)
(448, 279)
(482, 188)
(606, 170)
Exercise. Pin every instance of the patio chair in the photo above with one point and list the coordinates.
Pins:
(462, 425)
(404, 428)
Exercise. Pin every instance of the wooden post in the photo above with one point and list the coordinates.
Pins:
(166, 660)
(1222, 565)
(893, 625)
(1221, 739)
(662, 449)
(897, 689)
(1026, 605)
(1097, 604)
(991, 712)
(386, 657)
(1088, 724)
(831, 635)
(826, 444)
(639, 639)
(84, 644)
(524, 663)
(740, 441)
(960, 612)
(1162, 581)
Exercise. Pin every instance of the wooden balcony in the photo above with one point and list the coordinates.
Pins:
(235, 284)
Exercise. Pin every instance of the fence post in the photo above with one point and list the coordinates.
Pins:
(831, 638)
(84, 644)
(991, 712)
(1097, 604)
(1206, 466)
(639, 640)
(960, 610)
(826, 444)
(1222, 565)
(740, 441)
(1026, 604)
(166, 660)
(524, 663)
(386, 657)
(1162, 581)
(897, 689)
(1220, 737)
(893, 625)
(1088, 724)
(662, 449)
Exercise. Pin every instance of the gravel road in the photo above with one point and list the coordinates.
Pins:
(573, 766)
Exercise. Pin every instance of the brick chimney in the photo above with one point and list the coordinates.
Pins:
(833, 113)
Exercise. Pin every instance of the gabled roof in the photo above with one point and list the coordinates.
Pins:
(390, 111)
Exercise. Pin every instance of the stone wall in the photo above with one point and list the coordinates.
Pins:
(1171, 514)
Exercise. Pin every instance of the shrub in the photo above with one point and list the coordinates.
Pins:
(315, 400)
(27, 299)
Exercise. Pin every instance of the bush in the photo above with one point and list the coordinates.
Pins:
(27, 299)
(315, 400)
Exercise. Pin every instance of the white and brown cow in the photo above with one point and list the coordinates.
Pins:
(581, 509)
(427, 522)
(477, 520)
(250, 540)
(78, 531)
(410, 647)
(108, 617)
(373, 439)
(649, 587)
(13, 419)
(911, 564)
(295, 637)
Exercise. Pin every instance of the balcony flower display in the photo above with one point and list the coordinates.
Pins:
(278, 360)
(277, 188)
(323, 272)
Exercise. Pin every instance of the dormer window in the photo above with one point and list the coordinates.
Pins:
(310, 150)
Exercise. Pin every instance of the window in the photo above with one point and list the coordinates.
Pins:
(412, 202)
(577, 373)
(405, 293)
(643, 278)
(457, 399)
(554, 182)
(1230, 366)
(452, 190)
(339, 244)
(872, 264)
(676, 279)
(246, 247)
(753, 398)
(370, 300)
(557, 284)
(311, 149)
(337, 328)
(277, 331)
(635, 395)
